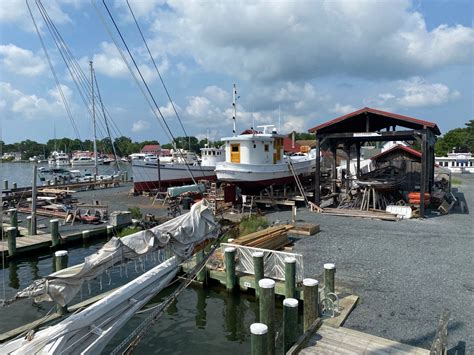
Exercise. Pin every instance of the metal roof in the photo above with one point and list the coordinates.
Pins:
(409, 150)
(355, 122)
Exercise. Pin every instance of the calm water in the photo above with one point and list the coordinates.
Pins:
(22, 173)
(201, 321)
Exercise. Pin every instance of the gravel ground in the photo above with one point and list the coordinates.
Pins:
(405, 272)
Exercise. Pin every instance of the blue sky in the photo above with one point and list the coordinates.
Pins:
(309, 60)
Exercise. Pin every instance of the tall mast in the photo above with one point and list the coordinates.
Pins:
(234, 98)
(93, 119)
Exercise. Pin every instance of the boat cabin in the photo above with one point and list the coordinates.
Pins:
(253, 147)
(210, 156)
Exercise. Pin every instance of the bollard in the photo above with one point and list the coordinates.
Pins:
(15, 185)
(28, 224)
(13, 217)
(201, 276)
(229, 256)
(12, 232)
(60, 262)
(311, 302)
(258, 270)
(258, 338)
(5, 184)
(267, 310)
(290, 277)
(54, 227)
(329, 273)
(85, 236)
(110, 232)
(290, 323)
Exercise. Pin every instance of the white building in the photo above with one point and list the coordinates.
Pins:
(457, 162)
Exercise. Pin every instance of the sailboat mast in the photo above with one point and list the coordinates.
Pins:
(234, 98)
(93, 119)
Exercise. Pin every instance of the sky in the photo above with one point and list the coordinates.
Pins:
(296, 64)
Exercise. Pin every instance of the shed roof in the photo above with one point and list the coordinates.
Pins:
(378, 119)
(400, 147)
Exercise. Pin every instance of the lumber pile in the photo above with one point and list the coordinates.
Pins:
(272, 238)
(372, 213)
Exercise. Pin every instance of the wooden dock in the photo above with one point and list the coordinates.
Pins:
(330, 340)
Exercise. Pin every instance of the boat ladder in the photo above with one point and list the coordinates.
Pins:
(298, 182)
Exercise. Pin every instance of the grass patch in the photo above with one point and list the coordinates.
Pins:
(252, 224)
(136, 213)
(456, 182)
(127, 231)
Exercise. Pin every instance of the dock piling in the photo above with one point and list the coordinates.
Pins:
(12, 232)
(267, 311)
(5, 184)
(13, 217)
(54, 227)
(229, 256)
(15, 185)
(311, 302)
(329, 273)
(258, 268)
(293, 214)
(60, 262)
(290, 323)
(290, 277)
(28, 224)
(201, 276)
(258, 338)
(110, 232)
(85, 236)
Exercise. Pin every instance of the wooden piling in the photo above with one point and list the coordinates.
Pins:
(290, 323)
(293, 214)
(258, 269)
(290, 277)
(229, 256)
(28, 224)
(15, 185)
(110, 232)
(5, 184)
(12, 232)
(13, 217)
(258, 338)
(267, 310)
(54, 228)
(201, 275)
(85, 236)
(329, 273)
(60, 262)
(311, 302)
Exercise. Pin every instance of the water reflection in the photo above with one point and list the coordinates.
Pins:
(14, 281)
(201, 308)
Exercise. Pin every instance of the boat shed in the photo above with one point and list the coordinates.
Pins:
(372, 125)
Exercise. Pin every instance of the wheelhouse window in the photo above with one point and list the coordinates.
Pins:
(266, 147)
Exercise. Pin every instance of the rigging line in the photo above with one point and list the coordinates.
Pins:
(159, 74)
(162, 81)
(105, 119)
(58, 84)
(147, 87)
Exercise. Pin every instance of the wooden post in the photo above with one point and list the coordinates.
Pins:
(348, 166)
(334, 167)
(60, 262)
(85, 236)
(110, 232)
(311, 302)
(290, 323)
(317, 180)
(5, 184)
(201, 276)
(329, 272)
(28, 224)
(293, 214)
(54, 227)
(13, 217)
(12, 232)
(290, 277)
(423, 175)
(358, 159)
(258, 339)
(258, 269)
(15, 185)
(33, 200)
(267, 310)
(229, 256)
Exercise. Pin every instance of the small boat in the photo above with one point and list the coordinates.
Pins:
(384, 179)
(58, 159)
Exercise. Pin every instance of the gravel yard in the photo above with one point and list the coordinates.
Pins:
(405, 272)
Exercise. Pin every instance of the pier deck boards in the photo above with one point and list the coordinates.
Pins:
(329, 340)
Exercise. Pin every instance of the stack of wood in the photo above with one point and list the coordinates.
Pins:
(272, 238)
(372, 213)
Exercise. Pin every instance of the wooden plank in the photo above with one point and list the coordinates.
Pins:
(303, 339)
(346, 305)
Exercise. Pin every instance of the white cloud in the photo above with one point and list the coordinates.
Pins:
(21, 61)
(168, 111)
(20, 105)
(418, 92)
(342, 109)
(218, 95)
(295, 40)
(140, 126)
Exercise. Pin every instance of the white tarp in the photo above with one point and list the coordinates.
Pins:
(181, 234)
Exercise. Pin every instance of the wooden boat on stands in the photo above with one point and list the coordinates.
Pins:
(384, 179)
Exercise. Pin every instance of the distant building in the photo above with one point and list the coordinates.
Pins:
(151, 149)
(457, 162)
